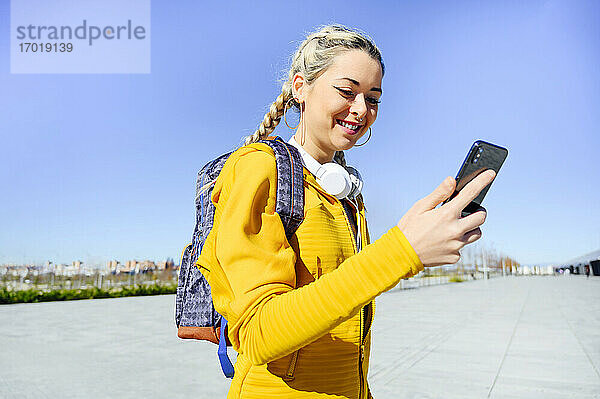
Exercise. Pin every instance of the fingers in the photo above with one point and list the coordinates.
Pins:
(472, 236)
(472, 190)
(473, 221)
(439, 195)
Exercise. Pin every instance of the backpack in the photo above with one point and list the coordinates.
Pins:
(195, 315)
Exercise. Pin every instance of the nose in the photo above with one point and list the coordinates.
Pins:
(359, 106)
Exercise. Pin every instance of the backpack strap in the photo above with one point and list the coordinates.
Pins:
(290, 184)
(290, 207)
(226, 364)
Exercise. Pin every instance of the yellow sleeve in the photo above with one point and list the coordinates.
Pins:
(251, 267)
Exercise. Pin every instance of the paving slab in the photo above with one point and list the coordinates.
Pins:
(513, 337)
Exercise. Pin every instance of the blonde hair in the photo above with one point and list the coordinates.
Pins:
(314, 55)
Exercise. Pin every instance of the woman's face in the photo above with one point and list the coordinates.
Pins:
(347, 93)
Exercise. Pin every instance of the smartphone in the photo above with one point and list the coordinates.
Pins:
(481, 157)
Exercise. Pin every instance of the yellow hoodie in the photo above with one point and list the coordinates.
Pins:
(299, 312)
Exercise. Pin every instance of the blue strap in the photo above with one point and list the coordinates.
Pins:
(226, 365)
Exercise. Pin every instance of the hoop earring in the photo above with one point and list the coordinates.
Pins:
(285, 114)
(368, 138)
(303, 134)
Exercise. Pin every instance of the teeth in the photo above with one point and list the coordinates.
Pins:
(349, 126)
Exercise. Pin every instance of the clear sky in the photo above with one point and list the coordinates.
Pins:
(103, 166)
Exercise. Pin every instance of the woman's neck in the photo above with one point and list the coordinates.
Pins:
(314, 150)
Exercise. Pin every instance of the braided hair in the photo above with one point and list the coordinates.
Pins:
(314, 55)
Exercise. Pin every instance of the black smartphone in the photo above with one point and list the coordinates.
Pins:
(481, 157)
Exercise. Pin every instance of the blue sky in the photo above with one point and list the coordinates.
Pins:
(99, 167)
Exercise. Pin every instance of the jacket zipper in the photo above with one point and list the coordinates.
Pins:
(289, 375)
(361, 354)
(362, 334)
(361, 351)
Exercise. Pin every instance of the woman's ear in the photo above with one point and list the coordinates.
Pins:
(298, 87)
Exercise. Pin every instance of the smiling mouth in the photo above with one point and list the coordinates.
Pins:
(350, 128)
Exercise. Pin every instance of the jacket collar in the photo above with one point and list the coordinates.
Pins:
(312, 181)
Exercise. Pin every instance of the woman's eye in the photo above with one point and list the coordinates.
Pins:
(347, 93)
(350, 93)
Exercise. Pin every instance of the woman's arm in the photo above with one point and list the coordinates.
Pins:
(251, 267)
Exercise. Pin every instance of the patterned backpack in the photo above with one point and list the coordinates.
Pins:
(195, 315)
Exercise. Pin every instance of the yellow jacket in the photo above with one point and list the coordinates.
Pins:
(299, 312)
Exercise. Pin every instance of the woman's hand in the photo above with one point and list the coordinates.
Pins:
(437, 235)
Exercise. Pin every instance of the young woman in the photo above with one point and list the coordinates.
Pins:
(300, 310)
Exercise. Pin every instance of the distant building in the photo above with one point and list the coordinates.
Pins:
(577, 265)
(130, 266)
(147, 266)
(112, 266)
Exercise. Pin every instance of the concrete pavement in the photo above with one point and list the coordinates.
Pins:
(514, 337)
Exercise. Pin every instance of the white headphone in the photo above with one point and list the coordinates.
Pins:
(332, 177)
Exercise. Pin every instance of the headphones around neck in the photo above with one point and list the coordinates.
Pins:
(332, 177)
